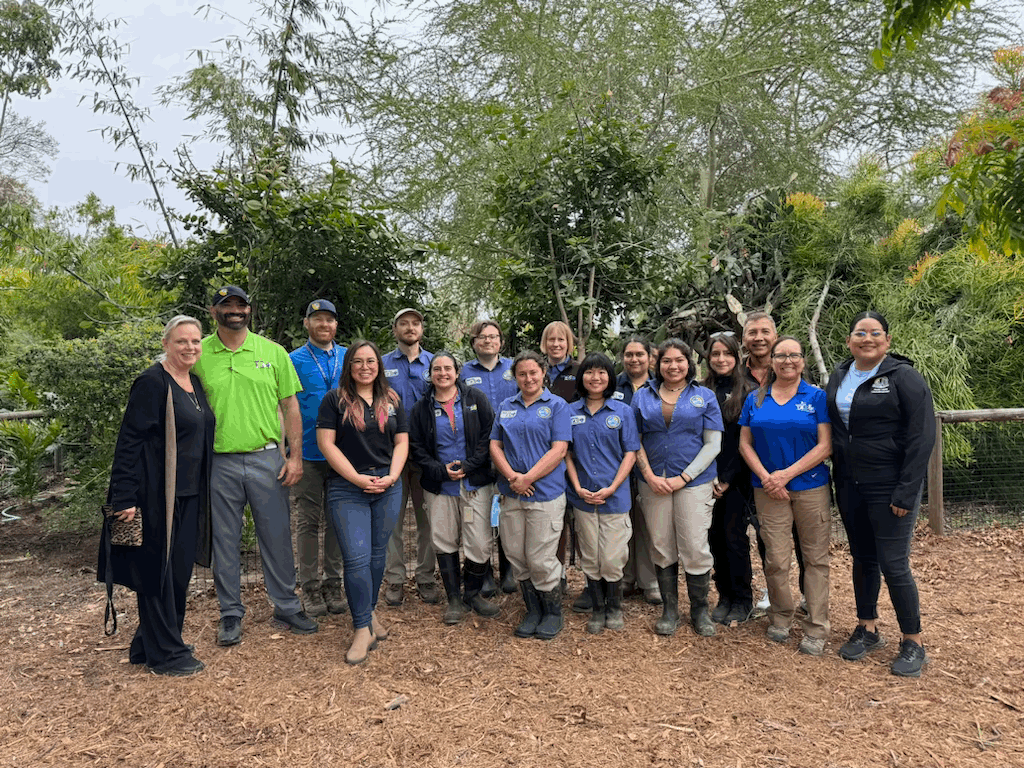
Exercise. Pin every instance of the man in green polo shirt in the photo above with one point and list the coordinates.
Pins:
(247, 378)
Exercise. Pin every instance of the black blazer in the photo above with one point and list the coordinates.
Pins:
(477, 418)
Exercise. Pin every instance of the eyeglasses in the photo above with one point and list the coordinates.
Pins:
(865, 334)
(718, 334)
(488, 337)
(794, 356)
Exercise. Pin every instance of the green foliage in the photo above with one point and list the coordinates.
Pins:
(287, 238)
(24, 444)
(908, 21)
(28, 37)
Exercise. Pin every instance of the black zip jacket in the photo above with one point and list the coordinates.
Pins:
(732, 468)
(891, 433)
(477, 417)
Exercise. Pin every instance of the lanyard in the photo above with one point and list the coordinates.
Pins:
(333, 368)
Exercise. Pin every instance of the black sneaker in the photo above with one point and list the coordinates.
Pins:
(229, 630)
(912, 657)
(298, 623)
(862, 642)
(721, 611)
(183, 668)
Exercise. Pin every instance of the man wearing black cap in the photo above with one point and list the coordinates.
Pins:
(408, 372)
(247, 378)
(318, 364)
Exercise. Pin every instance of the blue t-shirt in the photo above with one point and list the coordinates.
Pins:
(497, 384)
(844, 395)
(599, 443)
(319, 372)
(451, 443)
(410, 380)
(783, 434)
(670, 449)
(526, 434)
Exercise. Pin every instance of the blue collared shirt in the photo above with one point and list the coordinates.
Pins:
(783, 434)
(670, 449)
(600, 441)
(410, 379)
(451, 443)
(319, 372)
(498, 384)
(526, 434)
(624, 389)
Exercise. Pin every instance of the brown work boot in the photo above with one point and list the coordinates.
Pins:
(333, 592)
(312, 599)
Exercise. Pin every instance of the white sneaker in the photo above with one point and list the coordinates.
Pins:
(764, 603)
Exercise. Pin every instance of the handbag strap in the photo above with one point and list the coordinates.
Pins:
(110, 612)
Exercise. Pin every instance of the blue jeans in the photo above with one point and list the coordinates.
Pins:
(880, 546)
(362, 523)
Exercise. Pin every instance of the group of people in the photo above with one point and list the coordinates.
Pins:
(650, 470)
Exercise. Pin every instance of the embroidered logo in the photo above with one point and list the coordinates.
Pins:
(508, 414)
(437, 413)
(880, 386)
(578, 420)
(391, 410)
(222, 292)
(316, 305)
(697, 401)
(613, 422)
(544, 412)
(474, 381)
(570, 377)
(262, 364)
(426, 375)
(472, 408)
(391, 373)
(805, 407)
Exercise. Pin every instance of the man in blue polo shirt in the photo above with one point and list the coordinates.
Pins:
(318, 364)
(491, 373)
(407, 368)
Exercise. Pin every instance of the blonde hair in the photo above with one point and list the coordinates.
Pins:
(552, 328)
(173, 323)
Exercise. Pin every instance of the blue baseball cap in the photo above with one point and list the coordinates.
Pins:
(321, 305)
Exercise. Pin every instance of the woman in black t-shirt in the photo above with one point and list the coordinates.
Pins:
(361, 430)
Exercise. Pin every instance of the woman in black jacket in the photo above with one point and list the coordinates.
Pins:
(161, 471)
(883, 430)
(449, 437)
(733, 492)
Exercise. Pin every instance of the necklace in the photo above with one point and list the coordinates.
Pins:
(670, 389)
(195, 400)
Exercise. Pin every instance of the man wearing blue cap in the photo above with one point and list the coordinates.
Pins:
(247, 379)
(318, 364)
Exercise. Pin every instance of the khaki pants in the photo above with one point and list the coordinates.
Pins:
(394, 570)
(310, 507)
(604, 544)
(811, 513)
(529, 533)
(467, 517)
(679, 523)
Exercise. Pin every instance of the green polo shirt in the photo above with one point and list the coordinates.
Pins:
(244, 388)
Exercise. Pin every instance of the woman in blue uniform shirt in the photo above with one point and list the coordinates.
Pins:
(680, 426)
(602, 453)
(529, 440)
(785, 438)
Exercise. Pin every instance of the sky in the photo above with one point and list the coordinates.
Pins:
(162, 35)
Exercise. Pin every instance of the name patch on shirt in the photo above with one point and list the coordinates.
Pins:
(474, 381)
(508, 414)
(880, 386)
(570, 377)
(578, 420)
(437, 413)
(544, 412)
(391, 372)
(618, 396)
(262, 364)
(613, 422)
(697, 401)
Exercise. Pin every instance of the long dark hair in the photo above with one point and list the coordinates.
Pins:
(351, 404)
(741, 385)
(682, 346)
(770, 378)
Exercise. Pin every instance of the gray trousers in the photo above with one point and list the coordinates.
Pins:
(394, 569)
(251, 478)
(310, 507)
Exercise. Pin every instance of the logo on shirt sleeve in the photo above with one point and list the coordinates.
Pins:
(426, 375)
(544, 412)
(576, 420)
(391, 373)
(613, 422)
(474, 381)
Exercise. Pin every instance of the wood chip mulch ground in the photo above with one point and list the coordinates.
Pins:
(474, 695)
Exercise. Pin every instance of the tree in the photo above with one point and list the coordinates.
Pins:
(28, 37)
(287, 238)
(908, 21)
(24, 148)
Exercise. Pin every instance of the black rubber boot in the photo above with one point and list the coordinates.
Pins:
(721, 610)
(551, 606)
(595, 588)
(508, 581)
(585, 602)
(668, 583)
(697, 590)
(450, 576)
(613, 605)
(489, 588)
(528, 626)
(476, 573)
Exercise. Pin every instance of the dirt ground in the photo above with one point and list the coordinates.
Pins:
(474, 695)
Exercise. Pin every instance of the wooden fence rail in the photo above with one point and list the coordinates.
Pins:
(936, 508)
